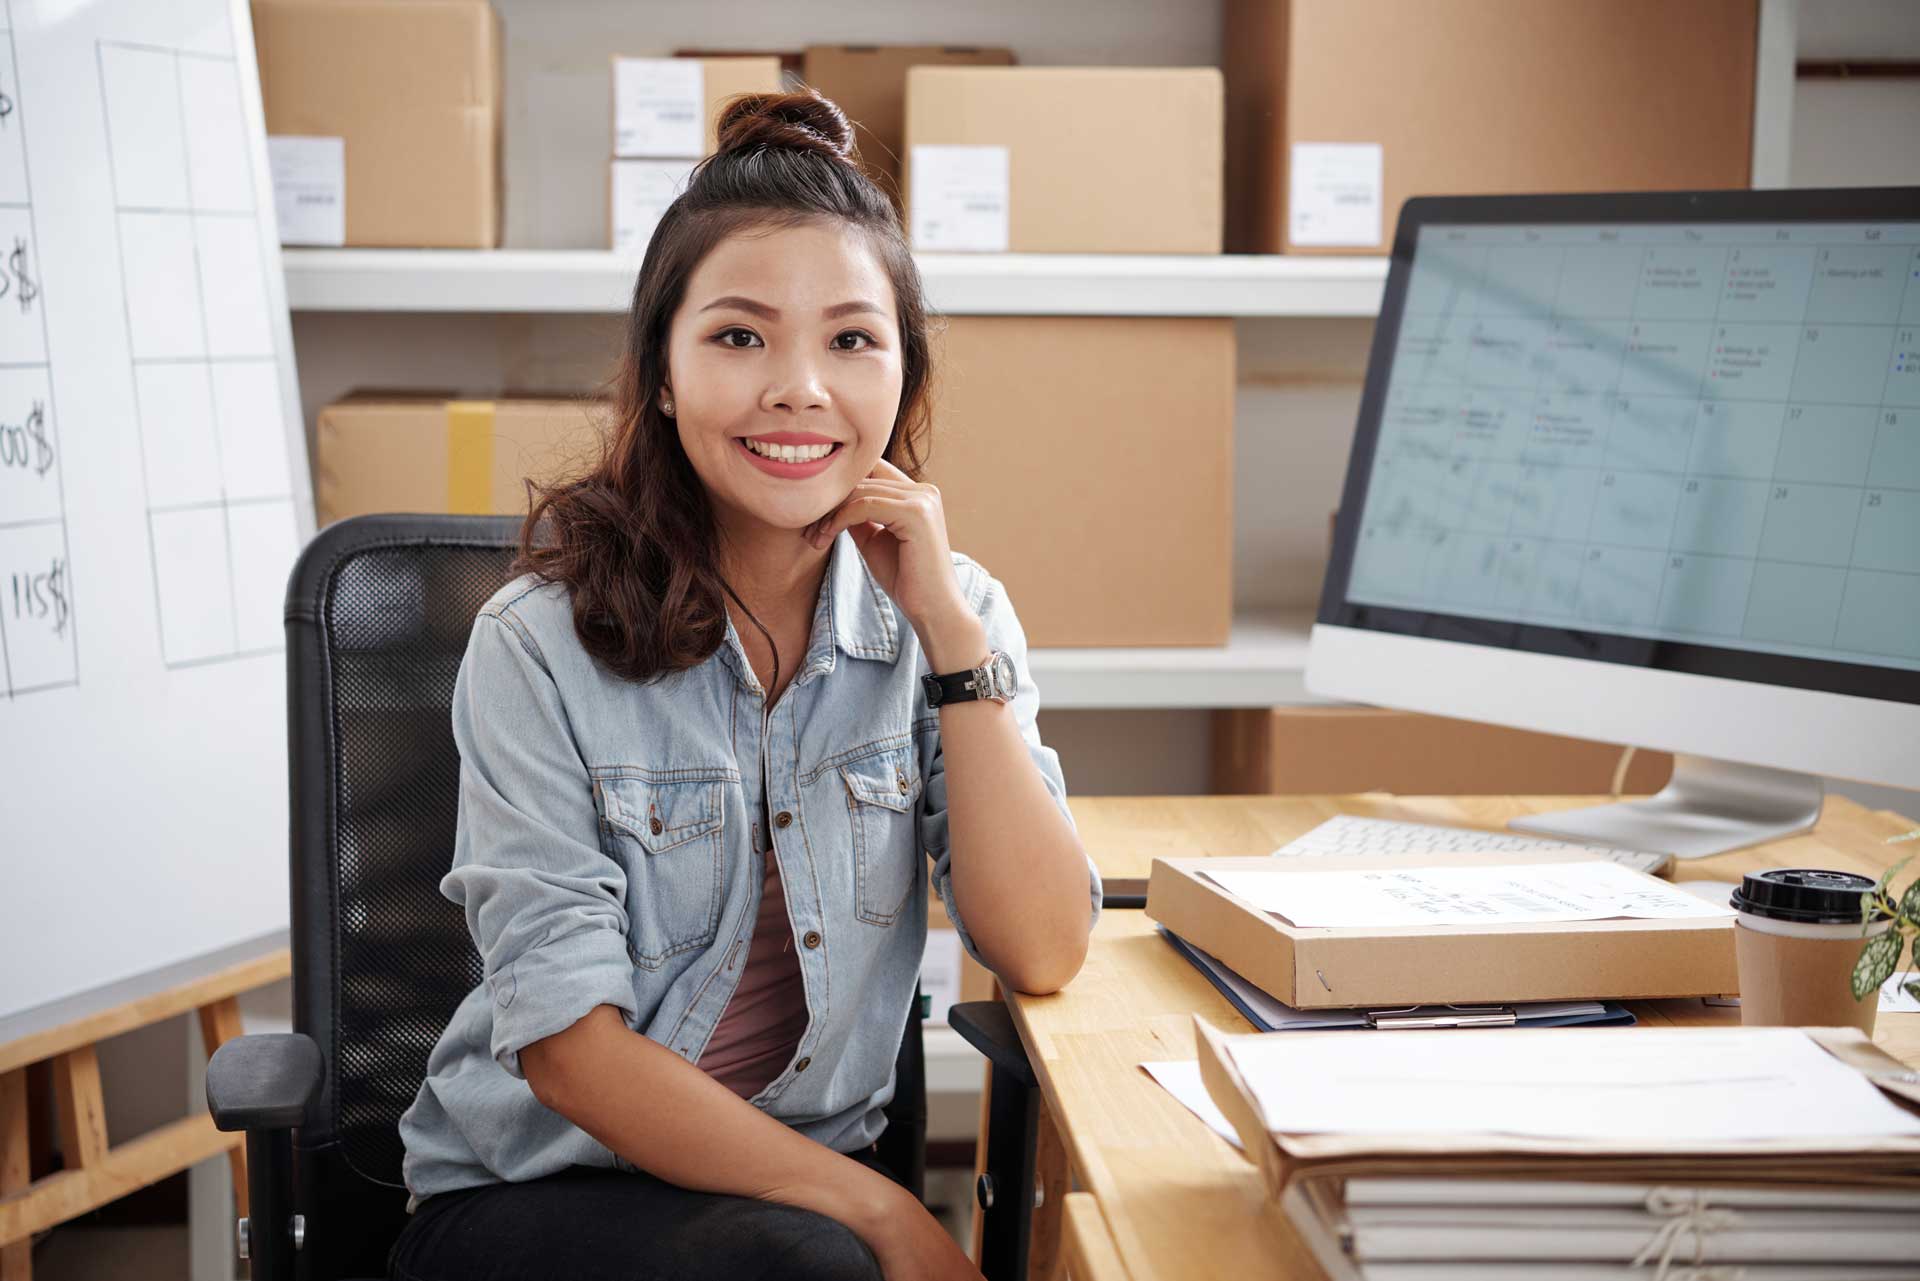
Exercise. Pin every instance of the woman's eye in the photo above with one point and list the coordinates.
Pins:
(853, 340)
(737, 337)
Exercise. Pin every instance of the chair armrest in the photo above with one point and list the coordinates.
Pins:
(988, 1027)
(263, 1082)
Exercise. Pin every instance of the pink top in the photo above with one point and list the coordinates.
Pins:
(767, 1014)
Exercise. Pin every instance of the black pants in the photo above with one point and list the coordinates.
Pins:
(588, 1224)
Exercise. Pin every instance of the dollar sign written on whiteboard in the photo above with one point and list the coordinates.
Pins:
(25, 444)
(26, 289)
(42, 447)
(57, 590)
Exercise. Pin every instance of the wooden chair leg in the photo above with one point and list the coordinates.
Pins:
(16, 1260)
(220, 1023)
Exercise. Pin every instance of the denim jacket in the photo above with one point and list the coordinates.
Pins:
(609, 851)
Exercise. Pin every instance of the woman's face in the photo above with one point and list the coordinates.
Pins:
(783, 371)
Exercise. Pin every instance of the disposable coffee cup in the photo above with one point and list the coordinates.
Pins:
(1796, 941)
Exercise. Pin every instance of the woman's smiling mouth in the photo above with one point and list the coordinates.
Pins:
(789, 454)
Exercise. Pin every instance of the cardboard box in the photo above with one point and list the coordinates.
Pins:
(413, 88)
(638, 193)
(655, 116)
(869, 83)
(1472, 97)
(1083, 159)
(1314, 751)
(1087, 462)
(1316, 969)
(657, 139)
(390, 452)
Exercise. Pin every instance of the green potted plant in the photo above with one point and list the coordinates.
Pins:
(1880, 957)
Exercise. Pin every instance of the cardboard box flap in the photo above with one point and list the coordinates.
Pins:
(1311, 968)
(1285, 1159)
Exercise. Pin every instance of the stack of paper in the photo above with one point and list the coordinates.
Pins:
(1775, 1152)
(1443, 1229)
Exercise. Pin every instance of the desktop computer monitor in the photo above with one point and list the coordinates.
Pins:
(1646, 469)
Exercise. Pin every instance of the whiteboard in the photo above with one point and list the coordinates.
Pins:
(153, 495)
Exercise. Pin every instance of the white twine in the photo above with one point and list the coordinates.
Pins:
(1687, 1214)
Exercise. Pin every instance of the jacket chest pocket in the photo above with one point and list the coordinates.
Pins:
(882, 792)
(670, 834)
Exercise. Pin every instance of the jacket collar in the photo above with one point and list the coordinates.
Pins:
(853, 615)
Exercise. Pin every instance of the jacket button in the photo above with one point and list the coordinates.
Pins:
(653, 826)
(801, 1066)
(783, 819)
(812, 938)
(903, 783)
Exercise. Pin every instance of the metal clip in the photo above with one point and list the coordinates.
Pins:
(1411, 1016)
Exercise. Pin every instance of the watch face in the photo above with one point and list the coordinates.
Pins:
(1004, 677)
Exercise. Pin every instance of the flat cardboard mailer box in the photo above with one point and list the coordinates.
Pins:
(1341, 968)
(1294, 1163)
(394, 452)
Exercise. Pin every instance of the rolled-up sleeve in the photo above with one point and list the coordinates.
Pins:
(1004, 633)
(545, 904)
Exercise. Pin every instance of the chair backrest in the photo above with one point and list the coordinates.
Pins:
(378, 614)
(379, 609)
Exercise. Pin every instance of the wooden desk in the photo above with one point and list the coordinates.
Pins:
(1084, 1239)
(1178, 1201)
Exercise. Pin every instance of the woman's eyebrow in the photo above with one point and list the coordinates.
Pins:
(855, 307)
(759, 309)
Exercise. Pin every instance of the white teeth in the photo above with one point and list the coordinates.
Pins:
(789, 453)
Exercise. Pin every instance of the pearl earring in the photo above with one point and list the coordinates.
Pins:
(666, 407)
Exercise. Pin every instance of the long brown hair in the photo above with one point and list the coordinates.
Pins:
(634, 537)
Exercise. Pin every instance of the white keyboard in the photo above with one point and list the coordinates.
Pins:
(1352, 834)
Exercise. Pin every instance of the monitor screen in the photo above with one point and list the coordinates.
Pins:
(1683, 444)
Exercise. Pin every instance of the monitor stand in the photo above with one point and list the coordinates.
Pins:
(1709, 807)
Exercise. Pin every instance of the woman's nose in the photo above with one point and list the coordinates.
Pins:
(796, 384)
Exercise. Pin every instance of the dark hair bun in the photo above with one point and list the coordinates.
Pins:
(802, 121)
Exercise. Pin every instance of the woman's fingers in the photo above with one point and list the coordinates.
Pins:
(898, 514)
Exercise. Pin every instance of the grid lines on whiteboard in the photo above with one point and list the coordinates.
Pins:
(220, 516)
(1702, 434)
(37, 629)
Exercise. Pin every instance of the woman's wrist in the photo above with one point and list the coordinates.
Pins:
(955, 642)
(866, 1201)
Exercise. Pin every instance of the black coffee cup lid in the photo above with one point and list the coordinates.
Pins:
(1809, 895)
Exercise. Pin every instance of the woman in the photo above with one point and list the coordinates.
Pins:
(701, 776)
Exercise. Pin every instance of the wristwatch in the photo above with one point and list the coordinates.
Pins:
(994, 679)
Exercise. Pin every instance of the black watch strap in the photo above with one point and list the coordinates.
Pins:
(957, 687)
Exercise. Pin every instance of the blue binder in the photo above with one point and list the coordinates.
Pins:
(1270, 1015)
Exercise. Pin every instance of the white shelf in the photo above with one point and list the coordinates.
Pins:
(1263, 664)
(525, 280)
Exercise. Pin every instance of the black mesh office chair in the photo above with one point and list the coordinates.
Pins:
(378, 613)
